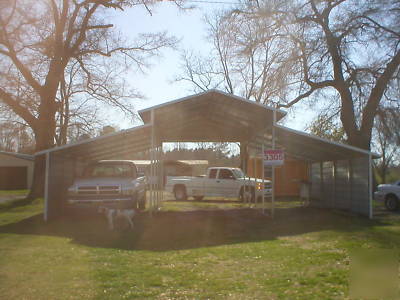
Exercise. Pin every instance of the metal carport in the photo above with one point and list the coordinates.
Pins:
(214, 116)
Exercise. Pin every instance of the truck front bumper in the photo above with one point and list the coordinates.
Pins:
(97, 201)
(379, 196)
(93, 203)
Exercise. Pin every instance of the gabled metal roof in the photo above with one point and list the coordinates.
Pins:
(211, 116)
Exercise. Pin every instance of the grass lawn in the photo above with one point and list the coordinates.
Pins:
(13, 192)
(188, 251)
(9, 199)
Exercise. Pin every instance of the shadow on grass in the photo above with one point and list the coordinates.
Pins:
(172, 230)
(216, 201)
(15, 203)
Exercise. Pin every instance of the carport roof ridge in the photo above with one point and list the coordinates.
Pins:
(210, 116)
(213, 97)
(146, 118)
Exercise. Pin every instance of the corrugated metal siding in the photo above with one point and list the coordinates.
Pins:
(342, 189)
(347, 190)
(328, 188)
(360, 186)
(315, 182)
(62, 173)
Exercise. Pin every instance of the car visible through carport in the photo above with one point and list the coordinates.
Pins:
(113, 183)
(219, 182)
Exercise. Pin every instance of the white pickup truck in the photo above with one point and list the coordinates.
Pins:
(219, 182)
(389, 194)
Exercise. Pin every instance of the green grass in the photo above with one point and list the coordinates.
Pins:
(10, 199)
(13, 192)
(189, 250)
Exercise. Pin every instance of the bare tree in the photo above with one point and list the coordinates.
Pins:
(387, 140)
(246, 59)
(15, 137)
(342, 47)
(40, 39)
(341, 53)
(83, 100)
(8, 136)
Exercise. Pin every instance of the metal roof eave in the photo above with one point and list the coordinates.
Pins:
(18, 155)
(323, 140)
(121, 132)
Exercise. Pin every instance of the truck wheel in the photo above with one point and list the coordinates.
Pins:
(198, 198)
(180, 193)
(392, 203)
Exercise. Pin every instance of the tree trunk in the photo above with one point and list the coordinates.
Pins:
(383, 175)
(359, 140)
(243, 156)
(39, 171)
(44, 136)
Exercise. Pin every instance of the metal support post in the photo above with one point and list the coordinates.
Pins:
(162, 173)
(255, 178)
(152, 150)
(263, 177)
(370, 174)
(273, 167)
(46, 188)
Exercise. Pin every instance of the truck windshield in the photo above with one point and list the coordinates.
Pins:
(109, 170)
(238, 173)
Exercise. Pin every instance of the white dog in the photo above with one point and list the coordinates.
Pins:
(115, 213)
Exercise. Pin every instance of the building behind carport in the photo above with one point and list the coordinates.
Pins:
(16, 170)
(341, 175)
(182, 167)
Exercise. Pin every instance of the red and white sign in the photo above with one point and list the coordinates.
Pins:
(274, 157)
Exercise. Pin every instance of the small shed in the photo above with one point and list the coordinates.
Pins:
(16, 171)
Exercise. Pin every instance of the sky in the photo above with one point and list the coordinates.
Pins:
(158, 85)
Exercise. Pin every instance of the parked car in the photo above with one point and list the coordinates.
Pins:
(113, 183)
(389, 194)
(219, 182)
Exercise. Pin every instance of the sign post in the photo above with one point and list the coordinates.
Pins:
(273, 158)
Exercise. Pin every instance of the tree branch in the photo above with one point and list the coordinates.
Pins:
(17, 108)
(377, 92)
